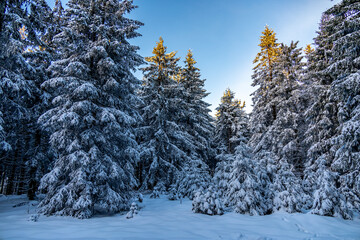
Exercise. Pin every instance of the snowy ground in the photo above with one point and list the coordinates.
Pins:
(164, 219)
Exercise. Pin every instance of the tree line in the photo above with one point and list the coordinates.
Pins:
(78, 126)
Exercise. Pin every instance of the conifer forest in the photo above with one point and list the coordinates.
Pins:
(82, 135)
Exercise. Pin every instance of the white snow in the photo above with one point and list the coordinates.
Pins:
(164, 219)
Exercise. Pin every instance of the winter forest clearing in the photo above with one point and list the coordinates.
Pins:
(163, 219)
(82, 138)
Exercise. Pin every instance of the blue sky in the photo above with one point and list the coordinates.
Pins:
(224, 34)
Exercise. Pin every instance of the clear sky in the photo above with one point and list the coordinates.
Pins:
(224, 34)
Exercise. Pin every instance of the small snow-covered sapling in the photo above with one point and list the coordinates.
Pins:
(133, 210)
(207, 203)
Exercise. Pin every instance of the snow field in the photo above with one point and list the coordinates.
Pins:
(162, 219)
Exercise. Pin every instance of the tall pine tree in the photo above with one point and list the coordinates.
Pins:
(164, 143)
(92, 111)
(333, 116)
(197, 122)
(276, 120)
(344, 68)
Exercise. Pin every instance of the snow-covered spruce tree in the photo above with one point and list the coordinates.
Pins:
(207, 202)
(164, 143)
(93, 111)
(276, 114)
(333, 117)
(41, 155)
(344, 68)
(287, 130)
(265, 169)
(263, 114)
(173, 193)
(230, 128)
(195, 177)
(229, 114)
(197, 121)
(276, 119)
(328, 201)
(244, 191)
(320, 114)
(235, 175)
(287, 190)
(22, 23)
(222, 172)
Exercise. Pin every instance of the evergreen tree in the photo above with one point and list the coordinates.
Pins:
(207, 202)
(22, 23)
(334, 71)
(55, 26)
(195, 178)
(92, 111)
(344, 68)
(173, 193)
(244, 192)
(198, 122)
(230, 114)
(275, 117)
(164, 143)
(287, 190)
(230, 130)
(277, 124)
(327, 199)
(265, 168)
(263, 113)
(222, 172)
(284, 135)
(41, 155)
(320, 114)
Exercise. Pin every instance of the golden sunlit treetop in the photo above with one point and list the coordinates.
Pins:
(189, 59)
(160, 55)
(164, 65)
(228, 98)
(270, 50)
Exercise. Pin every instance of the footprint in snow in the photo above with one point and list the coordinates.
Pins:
(301, 228)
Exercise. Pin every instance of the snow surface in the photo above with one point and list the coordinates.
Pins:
(164, 219)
